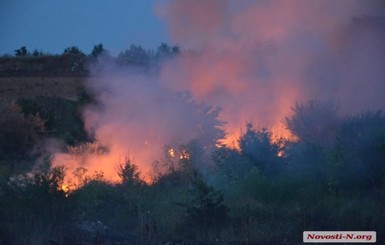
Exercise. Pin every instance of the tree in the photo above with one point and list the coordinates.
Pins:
(62, 117)
(73, 50)
(315, 122)
(35, 205)
(81, 177)
(21, 51)
(315, 125)
(98, 50)
(231, 166)
(166, 51)
(19, 134)
(37, 53)
(135, 55)
(97, 200)
(259, 147)
(204, 209)
(361, 145)
(129, 173)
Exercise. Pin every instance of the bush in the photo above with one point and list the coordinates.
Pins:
(62, 117)
(315, 122)
(19, 133)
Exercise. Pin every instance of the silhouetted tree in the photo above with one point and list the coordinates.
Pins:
(21, 51)
(205, 209)
(37, 53)
(62, 117)
(259, 147)
(19, 134)
(98, 50)
(230, 165)
(361, 151)
(167, 51)
(36, 206)
(97, 200)
(135, 55)
(129, 173)
(73, 50)
(315, 122)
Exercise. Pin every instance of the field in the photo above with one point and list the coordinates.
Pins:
(13, 88)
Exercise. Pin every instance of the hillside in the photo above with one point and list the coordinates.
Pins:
(13, 88)
(66, 65)
(51, 76)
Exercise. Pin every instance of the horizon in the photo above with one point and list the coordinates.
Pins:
(51, 27)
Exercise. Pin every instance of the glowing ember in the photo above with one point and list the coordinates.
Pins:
(171, 152)
(184, 155)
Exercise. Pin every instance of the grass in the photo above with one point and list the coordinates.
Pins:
(13, 88)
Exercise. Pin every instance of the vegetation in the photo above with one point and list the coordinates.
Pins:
(66, 123)
(21, 51)
(19, 135)
(73, 50)
(73, 62)
(136, 55)
(265, 191)
(98, 51)
(24, 52)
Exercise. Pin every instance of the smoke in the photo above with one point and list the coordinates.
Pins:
(254, 59)
(136, 117)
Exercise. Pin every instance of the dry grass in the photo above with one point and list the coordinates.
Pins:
(12, 88)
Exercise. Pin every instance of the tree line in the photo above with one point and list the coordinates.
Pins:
(134, 55)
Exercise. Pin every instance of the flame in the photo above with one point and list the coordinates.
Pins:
(66, 189)
(171, 152)
(184, 155)
(98, 162)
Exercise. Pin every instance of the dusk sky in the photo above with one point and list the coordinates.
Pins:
(53, 25)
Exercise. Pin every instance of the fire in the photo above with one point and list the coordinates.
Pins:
(65, 188)
(91, 161)
(230, 141)
(184, 155)
(171, 152)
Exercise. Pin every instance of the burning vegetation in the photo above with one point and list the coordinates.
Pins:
(267, 122)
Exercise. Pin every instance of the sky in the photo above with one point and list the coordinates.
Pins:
(53, 25)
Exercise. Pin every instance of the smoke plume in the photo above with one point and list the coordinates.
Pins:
(136, 117)
(254, 59)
